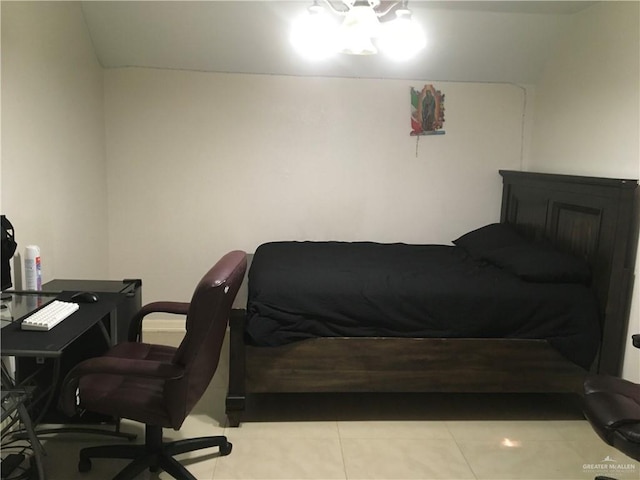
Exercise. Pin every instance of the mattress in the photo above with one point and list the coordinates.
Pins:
(302, 290)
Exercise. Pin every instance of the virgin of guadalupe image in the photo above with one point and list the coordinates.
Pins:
(427, 110)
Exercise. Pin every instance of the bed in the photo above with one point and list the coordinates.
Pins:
(588, 223)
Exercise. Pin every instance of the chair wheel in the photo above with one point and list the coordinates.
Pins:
(225, 449)
(84, 465)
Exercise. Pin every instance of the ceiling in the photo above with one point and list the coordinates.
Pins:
(468, 41)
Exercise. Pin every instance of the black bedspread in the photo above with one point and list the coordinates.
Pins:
(300, 290)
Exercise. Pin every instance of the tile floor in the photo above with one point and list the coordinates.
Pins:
(377, 437)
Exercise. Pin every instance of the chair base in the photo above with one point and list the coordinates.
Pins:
(154, 454)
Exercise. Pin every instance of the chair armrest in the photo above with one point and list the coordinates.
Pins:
(135, 326)
(67, 401)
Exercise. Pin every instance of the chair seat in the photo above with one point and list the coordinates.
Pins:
(612, 406)
(136, 398)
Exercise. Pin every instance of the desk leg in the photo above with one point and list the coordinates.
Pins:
(25, 419)
(110, 336)
(38, 449)
(55, 379)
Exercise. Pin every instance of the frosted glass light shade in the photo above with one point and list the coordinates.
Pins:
(313, 34)
(360, 25)
(317, 35)
(402, 38)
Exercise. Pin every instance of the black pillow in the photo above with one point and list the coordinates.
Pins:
(500, 245)
(480, 242)
(537, 263)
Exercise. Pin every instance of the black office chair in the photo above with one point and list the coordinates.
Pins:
(156, 384)
(612, 407)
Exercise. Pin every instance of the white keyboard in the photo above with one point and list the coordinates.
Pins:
(49, 316)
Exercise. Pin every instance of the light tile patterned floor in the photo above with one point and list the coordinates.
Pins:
(377, 437)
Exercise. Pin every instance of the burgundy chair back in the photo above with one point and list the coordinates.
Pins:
(206, 325)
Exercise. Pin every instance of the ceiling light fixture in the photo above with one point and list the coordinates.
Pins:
(366, 27)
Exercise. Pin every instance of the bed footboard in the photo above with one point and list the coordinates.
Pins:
(394, 365)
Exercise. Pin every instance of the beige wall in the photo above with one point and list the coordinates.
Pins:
(587, 111)
(201, 163)
(53, 185)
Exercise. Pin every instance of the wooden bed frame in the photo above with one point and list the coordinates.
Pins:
(594, 218)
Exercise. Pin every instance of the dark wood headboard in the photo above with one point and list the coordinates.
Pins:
(593, 218)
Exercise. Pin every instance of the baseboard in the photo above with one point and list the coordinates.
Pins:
(162, 325)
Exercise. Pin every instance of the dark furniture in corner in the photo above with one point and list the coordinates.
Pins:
(612, 406)
(158, 385)
(592, 218)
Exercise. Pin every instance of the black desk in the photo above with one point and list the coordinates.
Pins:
(131, 290)
(16, 342)
(40, 355)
